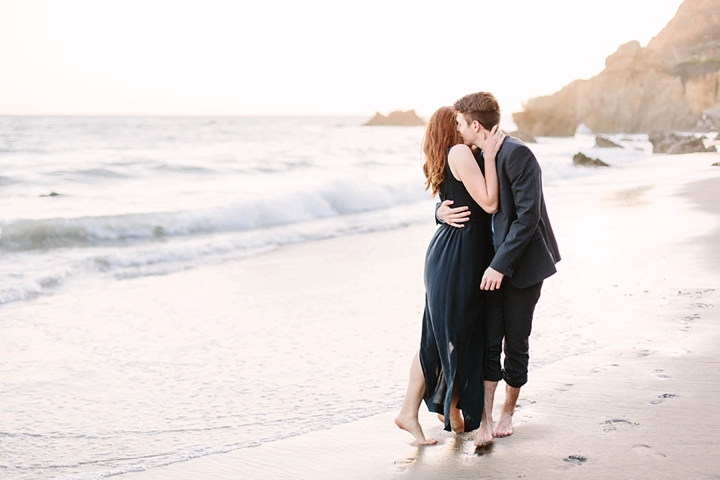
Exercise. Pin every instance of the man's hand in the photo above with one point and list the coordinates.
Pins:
(491, 280)
(455, 217)
(493, 142)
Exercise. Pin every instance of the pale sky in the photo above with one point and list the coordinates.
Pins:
(311, 57)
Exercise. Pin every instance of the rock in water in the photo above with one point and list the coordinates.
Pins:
(603, 142)
(582, 160)
(397, 118)
(674, 144)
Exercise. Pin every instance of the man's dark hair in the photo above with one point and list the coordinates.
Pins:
(480, 106)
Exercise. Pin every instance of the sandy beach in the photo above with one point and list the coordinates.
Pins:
(624, 361)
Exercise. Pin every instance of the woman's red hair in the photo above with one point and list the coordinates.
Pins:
(440, 134)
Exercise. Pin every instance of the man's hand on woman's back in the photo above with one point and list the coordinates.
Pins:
(455, 217)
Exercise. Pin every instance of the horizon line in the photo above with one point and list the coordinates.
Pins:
(318, 115)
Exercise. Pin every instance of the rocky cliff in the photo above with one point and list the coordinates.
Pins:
(397, 118)
(667, 85)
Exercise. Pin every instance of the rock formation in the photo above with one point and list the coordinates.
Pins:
(397, 118)
(604, 142)
(582, 160)
(673, 144)
(666, 85)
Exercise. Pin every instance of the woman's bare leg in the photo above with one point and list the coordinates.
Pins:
(457, 422)
(407, 419)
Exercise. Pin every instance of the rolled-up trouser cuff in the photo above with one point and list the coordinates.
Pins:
(508, 327)
(514, 382)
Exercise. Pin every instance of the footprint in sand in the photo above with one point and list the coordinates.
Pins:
(702, 305)
(403, 464)
(564, 388)
(662, 398)
(696, 293)
(575, 459)
(616, 424)
(686, 322)
(522, 420)
(603, 369)
(647, 451)
(658, 372)
(644, 353)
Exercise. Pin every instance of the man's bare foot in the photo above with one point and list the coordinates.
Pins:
(441, 417)
(413, 426)
(504, 427)
(484, 436)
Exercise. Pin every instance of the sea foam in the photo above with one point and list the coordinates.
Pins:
(340, 197)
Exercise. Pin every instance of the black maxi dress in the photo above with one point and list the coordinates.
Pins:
(452, 345)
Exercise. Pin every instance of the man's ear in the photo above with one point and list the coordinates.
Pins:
(476, 126)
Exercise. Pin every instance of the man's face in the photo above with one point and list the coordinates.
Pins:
(467, 132)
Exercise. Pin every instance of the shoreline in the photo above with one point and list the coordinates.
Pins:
(295, 361)
(611, 394)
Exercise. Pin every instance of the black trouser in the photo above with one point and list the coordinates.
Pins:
(509, 316)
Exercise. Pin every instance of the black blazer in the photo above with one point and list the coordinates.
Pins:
(525, 247)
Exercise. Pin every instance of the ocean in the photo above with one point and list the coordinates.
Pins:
(108, 198)
(87, 202)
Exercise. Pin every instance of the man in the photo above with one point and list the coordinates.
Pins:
(525, 255)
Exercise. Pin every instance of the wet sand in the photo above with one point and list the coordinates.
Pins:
(705, 194)
(625, 370)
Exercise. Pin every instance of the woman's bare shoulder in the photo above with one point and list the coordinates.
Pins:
(460, 151)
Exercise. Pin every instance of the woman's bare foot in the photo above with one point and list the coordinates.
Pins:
(413, 426)
(504, 427)
(457, 422)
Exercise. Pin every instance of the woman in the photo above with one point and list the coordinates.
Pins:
(447, 372)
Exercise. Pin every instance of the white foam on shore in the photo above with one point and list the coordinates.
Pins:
(21, 278)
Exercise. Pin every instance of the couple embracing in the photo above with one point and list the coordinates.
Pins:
(484, 270)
